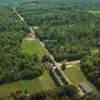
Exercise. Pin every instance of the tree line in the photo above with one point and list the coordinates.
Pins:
(90, 65)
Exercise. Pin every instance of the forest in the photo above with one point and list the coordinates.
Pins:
(67, 29)
(69, 32)
(68, 92)
(15, 65)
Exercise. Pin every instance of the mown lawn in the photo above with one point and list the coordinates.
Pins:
(43, 82)
(32, 47)
(76, 76)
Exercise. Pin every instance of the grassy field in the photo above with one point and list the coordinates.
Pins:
(94, 51)
(76, 76)
(32, 47)
(44, 82)
(95, 12)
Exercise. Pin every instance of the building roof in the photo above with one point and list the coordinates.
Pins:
(84, 86)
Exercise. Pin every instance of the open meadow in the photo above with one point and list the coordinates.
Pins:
(76, 76)
(32, 86)
(32, 48)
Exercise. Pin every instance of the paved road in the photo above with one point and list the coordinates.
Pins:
(33, 36)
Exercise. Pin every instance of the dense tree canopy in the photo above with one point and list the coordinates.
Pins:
(90, 65)
(69, 32)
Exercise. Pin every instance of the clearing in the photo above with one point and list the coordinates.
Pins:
(43, 82)
(95, 12)
(76, 76)
(32, 48)
(94, 51)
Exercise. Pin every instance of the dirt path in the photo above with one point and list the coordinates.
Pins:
(22, 19)
(31, 36)
(73, 62)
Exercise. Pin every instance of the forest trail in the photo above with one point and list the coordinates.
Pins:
(33, 37)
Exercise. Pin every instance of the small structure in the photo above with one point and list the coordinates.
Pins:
(36, 27)
(48, 65)
(85, 88)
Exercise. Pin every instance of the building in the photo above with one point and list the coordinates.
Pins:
(48, 65)
(85, 88)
